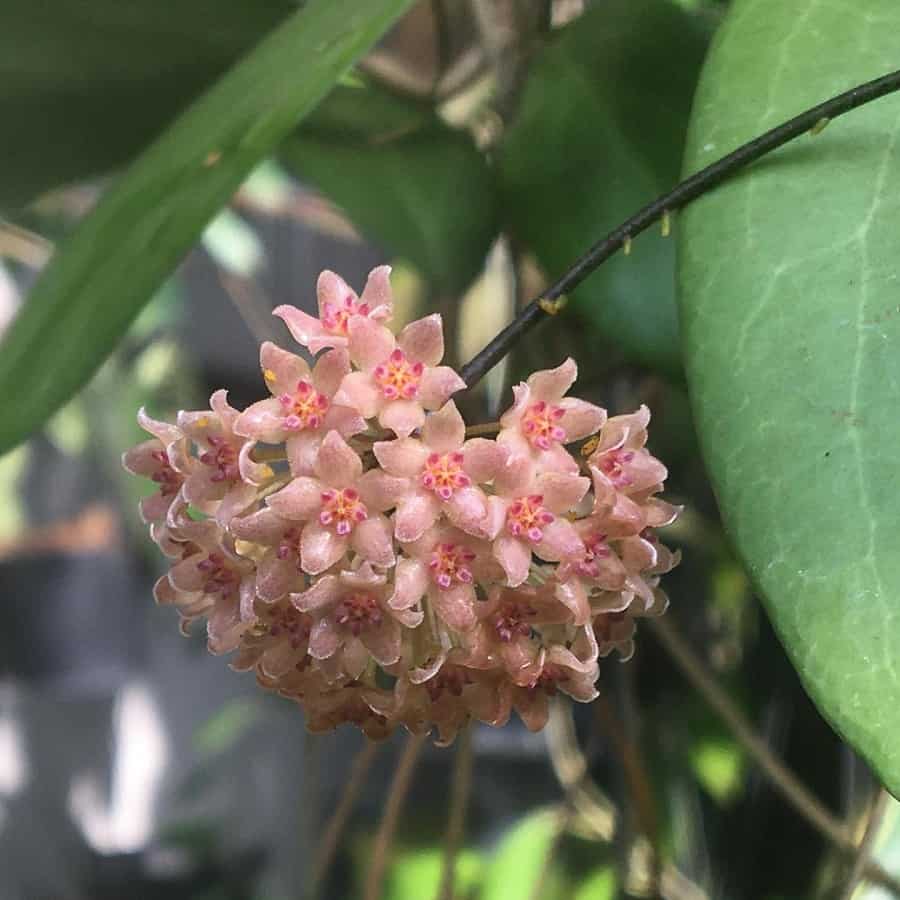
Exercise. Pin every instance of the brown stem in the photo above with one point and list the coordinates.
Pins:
(460, 788)
(341, 815)
(397, 792)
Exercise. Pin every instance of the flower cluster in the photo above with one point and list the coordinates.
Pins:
(349, 544)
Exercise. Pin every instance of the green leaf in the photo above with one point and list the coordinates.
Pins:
(598, 135)
(110, 266)
(405, 179)
(84, 86)
(519, 860)
(790, 302)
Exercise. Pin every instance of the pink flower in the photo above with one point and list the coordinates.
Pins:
(338, 306)
(527, 516)
(558, 668)
(150, 459)
(399, 378)
(353, 621)
(277, 552)
(622, 460)
(300, 413)
(223, 470)
(277, 642)
(444, 564)
(441, 473)
(340, 508)
(542, 419)
(213, 582)
(355, 703)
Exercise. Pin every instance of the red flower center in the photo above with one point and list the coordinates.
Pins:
(284, 620)
(614, 465)
(335, 317)
(451, 679)
(221, 456)
(398, 377)
(595, 549)
(540, 425)
(357, 612)
(305, 408)
(443, 474)
(510, 620)
(220, 577)
(526, 518)
(342, 510)
(165, 476)
(449, 563)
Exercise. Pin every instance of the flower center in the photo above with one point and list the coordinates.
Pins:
(449, 563)
(540, 425)
(222, 456)
(595, 549)
(336, 316)
(165, 476)
(284, 620)
(452, 679)
(342, 510)
(613, 466)
(549, 679)
(510, 620)
(526, 518)
(358, 612)
(399, 378)
(444, 474)
(305, 408)
(220, 577)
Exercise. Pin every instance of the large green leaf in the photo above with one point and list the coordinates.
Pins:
(790, 302)
(117, 257)
(406, 179)
(598, 135)
(85, 85)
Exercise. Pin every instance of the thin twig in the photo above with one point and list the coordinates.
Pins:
(866, 845)
(341, 815)
(781, 777)
(396, 796)
(677, 198)
(482, 430)
(460, 787)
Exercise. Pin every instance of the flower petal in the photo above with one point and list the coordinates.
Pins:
(377, 294)
(329, 370)
(410, 583)
(483, 458)
(403, 457)
(370, 343)
(515, 557)
(560, 541)
(445, 429)
(423, 340)
(438, 384)
(262, 421)
(456, 606)
(561, 491)
(359, 392)
(468, 509)
(550, 385)
(320, 548)
(415, 515)
(580, 418)
(337, 463)
(302, 449)
(372, 541)
(325, 591)
(300, 500)
(383, 642)
(264, 526)
(281, 369)
(305, 329)
(324, 639)
(401, 416)
(275, 577)
(380, 491)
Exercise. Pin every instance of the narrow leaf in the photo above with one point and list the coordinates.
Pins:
(124, 249)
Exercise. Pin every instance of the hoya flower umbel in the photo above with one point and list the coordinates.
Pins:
(338, 306)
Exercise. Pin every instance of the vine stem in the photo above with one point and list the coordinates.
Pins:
(460, 788)
(782, 778)
(341, 815)
(549, 303)
(396, 797)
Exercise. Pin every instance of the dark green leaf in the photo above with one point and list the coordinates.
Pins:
(84, 86)
(599, 134)
(405, 179)
(790, 301)
(108, 269)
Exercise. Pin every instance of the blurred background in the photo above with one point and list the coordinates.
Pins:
(479, 149)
